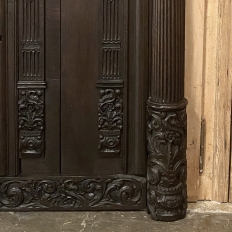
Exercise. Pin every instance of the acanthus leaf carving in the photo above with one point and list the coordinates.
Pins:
(110, 113)
(167, 165)
(31, 123)
(73, 193)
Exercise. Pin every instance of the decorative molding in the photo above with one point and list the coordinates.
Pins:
(167, 165)
(111, 81)
(73, 193)
(111, 44)
(31, 81)
(31, 123)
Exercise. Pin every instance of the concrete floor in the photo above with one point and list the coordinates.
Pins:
(202, 217)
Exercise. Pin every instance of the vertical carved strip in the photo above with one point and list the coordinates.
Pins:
(31, 80)
(111, 81)
(167, 121)
(31, 41)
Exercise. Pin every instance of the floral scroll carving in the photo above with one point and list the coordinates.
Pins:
(167, 168)
(31, 123)
(73, 193)
(110, 121)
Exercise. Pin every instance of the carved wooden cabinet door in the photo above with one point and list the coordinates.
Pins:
(92, 106)
(79, 100)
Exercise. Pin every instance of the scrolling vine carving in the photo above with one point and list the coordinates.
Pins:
(73, 193)
(167, 192)
(31, 123)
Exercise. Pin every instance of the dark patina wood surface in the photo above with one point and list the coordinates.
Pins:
(167, 120)
(3, 140)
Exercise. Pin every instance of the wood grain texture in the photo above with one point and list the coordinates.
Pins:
(223, 104)
(214, 181)
(230, 78)
(194, 82)
(205, 193)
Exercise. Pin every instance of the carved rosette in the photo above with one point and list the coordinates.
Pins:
(167, 168)
(119, 192)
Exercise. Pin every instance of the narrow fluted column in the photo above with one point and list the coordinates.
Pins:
(166, 107)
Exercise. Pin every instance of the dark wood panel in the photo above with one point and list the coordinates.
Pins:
(12, 71)
(138, 86)
(3, 134)
(80, 97)
(50, 163)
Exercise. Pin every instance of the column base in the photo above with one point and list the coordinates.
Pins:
(167, 165)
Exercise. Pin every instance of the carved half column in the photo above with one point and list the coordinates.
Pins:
(166, 121)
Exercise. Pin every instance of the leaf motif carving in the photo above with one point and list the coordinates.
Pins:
(166, 132)
(73, 193)
(110, 113)
(31, 123)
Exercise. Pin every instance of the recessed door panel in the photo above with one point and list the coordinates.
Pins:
(92, 98)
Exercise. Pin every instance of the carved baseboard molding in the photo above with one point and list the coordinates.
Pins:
(117, 192)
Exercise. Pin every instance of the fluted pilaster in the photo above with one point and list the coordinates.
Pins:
(167, 50)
